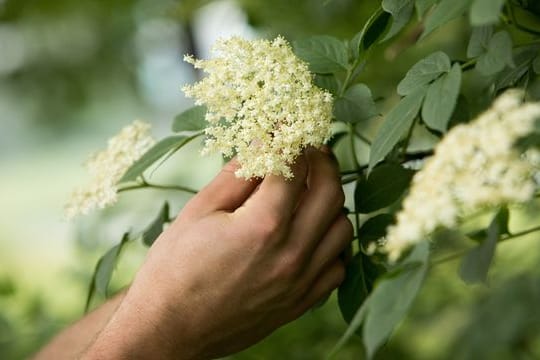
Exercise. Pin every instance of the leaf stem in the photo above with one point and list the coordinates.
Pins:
(362, 137)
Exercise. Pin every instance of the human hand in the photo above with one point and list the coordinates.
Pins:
(241, 259)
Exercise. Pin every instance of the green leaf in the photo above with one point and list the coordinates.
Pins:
(478, 43)
(353, 290)
(328, 82)
(536, 65)
(395, 125)
(498, 55)
(193, 119)
(374, 229)
(104, 269)
(171, 143)
(423, 72)
(401, 11)
(324, 54)
(373, 29)
(484, 12)
(360, 277)
(354, 325)
(392, 297)
(382, 188)
(523, 59)
(475, 264)
(355, 105)
(445, 11)
(152, 231)
(422, 6)
(441, 99)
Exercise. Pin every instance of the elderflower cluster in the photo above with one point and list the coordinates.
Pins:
(475, 166)
(261, 105)
(107, 167)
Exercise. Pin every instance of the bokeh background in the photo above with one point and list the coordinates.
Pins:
(72, 73)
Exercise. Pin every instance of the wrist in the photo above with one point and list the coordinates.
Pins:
(142, 329)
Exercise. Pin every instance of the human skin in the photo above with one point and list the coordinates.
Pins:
(241, 259)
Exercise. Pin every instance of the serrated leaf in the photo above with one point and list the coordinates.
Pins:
(373, 29)
(441, 99)
(445, 11)
(401, 11)
(484, 12)
(328, 82)
(382, 188)
(324, 54)
(171, 143)
(193, 119)
(374, 229)
(353, 290)
(355, 105)
(498, 55)
(523, 59)
(104, 269)
(361, 274)
(391, 299)
(478, 43)
(422, 6)
(423, 72)
(475, 264)
(152, 231)
(395, 125)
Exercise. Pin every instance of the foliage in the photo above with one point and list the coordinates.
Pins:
(440, 90)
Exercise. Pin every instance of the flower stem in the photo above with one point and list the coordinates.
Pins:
(146, 185)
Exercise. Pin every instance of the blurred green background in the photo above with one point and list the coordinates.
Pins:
(72, 73)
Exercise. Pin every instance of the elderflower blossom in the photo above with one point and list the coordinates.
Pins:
(261, 105)
(107, 167)
(475, 166)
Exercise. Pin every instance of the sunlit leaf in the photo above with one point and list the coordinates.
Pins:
(324, 54)
(445, 11)
(171, 143)
(193, 119)
(497, 56)
(401, 11)
(485, 12)
(392, 297)
(478, 43)
(423, 72)
(395, 126)
(422, 6)
(355, 105)
(475, 265)
(441, 98)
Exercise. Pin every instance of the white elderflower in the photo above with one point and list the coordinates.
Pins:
(262, 105)
(107, 167)
(475, 166)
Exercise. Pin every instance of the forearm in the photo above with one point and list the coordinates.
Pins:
(74, 340)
